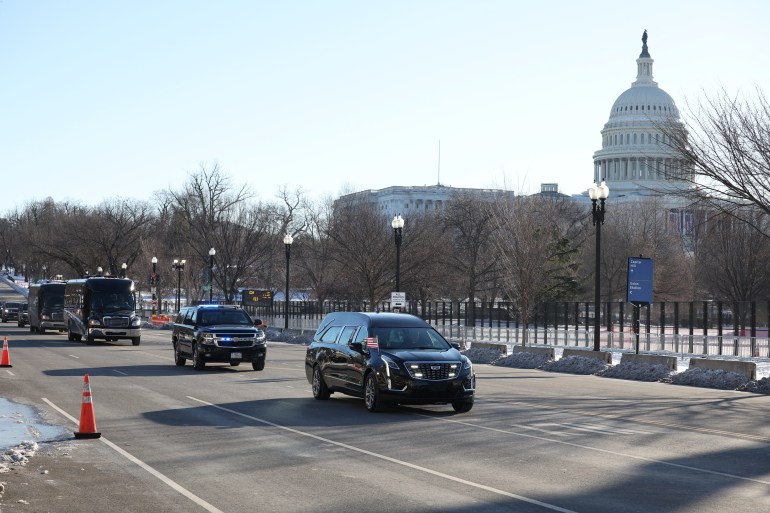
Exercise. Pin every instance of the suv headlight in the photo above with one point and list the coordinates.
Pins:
(94, 322)
(136, 322)
(260, 337)
(467, 363)
(208, 338)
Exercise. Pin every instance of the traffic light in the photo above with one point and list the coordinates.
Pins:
(154, 279)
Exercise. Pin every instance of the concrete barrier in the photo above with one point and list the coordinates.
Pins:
(503, 348)
(748, 369)
(605, 356)
(545, 351)
(652, 359)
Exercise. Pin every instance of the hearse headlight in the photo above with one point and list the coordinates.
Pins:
(391, 363)
(45, 317)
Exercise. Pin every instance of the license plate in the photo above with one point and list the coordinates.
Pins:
(236, 356)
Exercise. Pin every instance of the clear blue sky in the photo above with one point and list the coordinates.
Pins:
(113, 98)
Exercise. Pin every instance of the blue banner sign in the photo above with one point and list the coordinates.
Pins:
(640, 273)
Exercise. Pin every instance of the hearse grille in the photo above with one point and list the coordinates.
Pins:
(434, 371)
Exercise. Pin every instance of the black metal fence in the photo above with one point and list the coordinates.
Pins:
(693, 317)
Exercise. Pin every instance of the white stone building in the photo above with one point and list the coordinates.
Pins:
(635, 159)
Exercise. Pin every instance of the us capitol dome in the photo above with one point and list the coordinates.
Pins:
(635, 159)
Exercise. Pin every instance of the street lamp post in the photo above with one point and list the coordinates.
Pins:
(598, 194)
(287, 241)
(398, 224)
(44, 270)
(100, 270)
(212, 252)
(153, 283)
(123, 268)
(178, 265)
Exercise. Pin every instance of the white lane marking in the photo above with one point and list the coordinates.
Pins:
(388, 458)
(9, 371)
(596, 449)
(119, 372)
(75, 357)
(173, 484)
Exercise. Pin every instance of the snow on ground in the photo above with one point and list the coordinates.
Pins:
(697, 377)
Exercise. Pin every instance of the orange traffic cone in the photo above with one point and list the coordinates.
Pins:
(6, 359)
(87, 419)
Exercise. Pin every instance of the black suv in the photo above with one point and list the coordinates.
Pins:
(388, 358)
(218, 333)
(10, 311)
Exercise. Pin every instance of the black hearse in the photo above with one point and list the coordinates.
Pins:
(101, 308)
(387, 358)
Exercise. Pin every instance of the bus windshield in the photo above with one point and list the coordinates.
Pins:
(112, 301)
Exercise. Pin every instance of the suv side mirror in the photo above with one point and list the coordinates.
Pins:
(259, 324)
(455, 345)
(357, 346)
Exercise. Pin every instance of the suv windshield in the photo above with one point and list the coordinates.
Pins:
(219, 317)
(13, 305)
(409, 338)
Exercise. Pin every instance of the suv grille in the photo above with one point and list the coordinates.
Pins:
(434, 371)
(57, 316)
(235, 341)
(115, 322)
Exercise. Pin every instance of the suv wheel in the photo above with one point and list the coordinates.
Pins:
(258, 365)
(179, 360)
(320, 390)
(197, 359)
(135, 341)
(372, 398)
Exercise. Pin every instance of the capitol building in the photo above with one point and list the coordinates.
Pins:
(635, 159)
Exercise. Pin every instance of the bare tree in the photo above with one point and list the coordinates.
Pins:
(727, 144)
(642, 228)
(534, 243)
(466, 224)
(215, 215)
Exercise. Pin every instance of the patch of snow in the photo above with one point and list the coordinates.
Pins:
(17, 456)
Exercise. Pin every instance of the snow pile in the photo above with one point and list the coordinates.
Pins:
(710, 378)
(761, 386)
(17, 456)
(638, 372)
(576, 365)
(482, 354)
(522, 360)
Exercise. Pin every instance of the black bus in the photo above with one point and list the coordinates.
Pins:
(46, 306)
(101, 308)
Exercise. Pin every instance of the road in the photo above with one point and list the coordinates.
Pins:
(231, 439)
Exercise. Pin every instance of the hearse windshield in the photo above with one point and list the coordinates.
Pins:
(409, 338)
(112, 301)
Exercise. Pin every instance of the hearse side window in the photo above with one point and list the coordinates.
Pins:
(362, 334)
(330, 335)
(347, 335)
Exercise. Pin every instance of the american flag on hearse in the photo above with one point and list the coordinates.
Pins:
(371, 343)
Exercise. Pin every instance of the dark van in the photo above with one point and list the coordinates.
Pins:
(101, 308)
(388, 358)
(46, 306)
